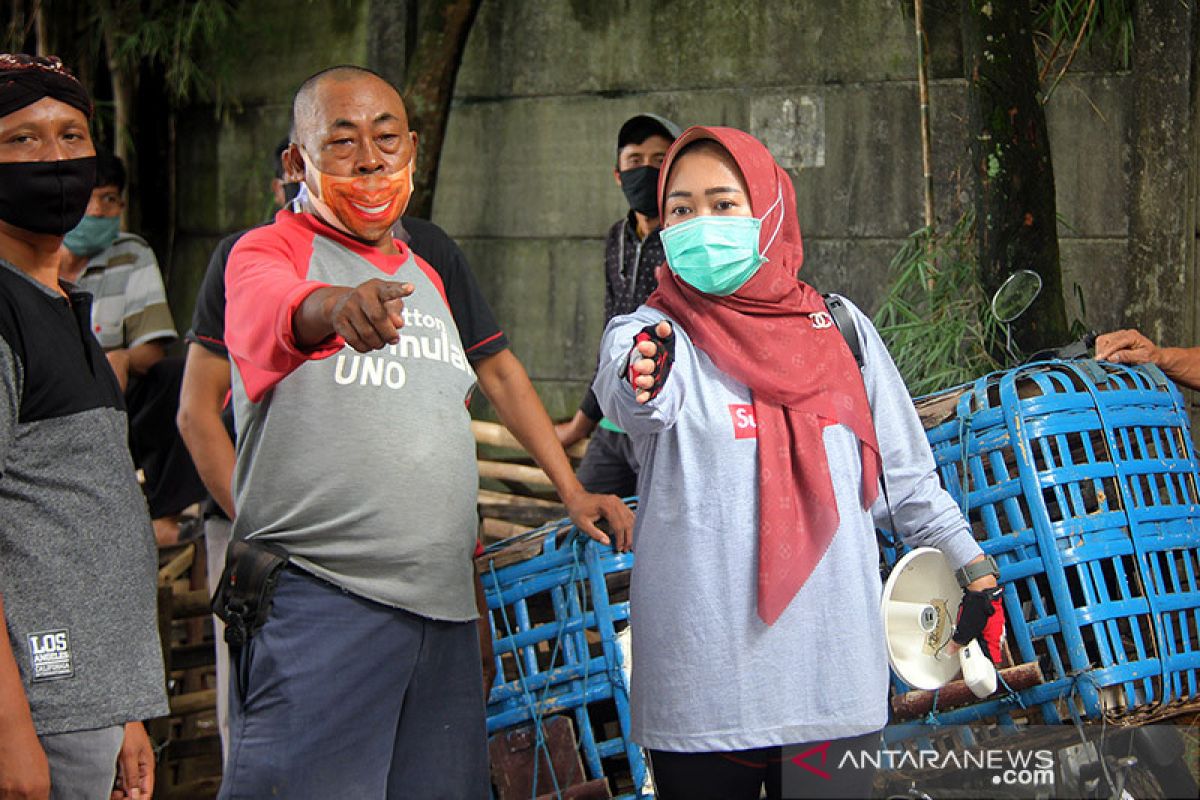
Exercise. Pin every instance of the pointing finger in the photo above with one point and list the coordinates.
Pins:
(394, 290)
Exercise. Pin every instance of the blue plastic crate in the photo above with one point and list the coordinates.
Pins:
(1080, 478)
(554, 629)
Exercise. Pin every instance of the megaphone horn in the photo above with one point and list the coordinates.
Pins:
(920, 603)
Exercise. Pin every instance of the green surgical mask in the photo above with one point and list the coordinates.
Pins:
(92, 235)
(716, 255)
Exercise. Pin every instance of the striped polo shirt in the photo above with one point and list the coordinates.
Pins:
(129, 304)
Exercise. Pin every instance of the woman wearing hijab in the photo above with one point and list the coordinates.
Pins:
(756, 590)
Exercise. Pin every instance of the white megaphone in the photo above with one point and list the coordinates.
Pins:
(920, 604)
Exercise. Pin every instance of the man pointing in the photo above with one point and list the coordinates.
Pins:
(355, 457)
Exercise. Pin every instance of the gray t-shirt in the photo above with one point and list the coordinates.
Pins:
(708, 673)
(361, 465)
(77, 558)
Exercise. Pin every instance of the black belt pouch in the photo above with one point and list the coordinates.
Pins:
(243, 597)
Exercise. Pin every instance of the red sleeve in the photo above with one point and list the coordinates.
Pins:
(264, 285)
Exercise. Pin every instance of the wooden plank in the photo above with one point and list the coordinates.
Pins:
(936, 409)
(193, 702)
(516, 473)
(518, 551)
(174, 569)
(190, 603)
(192, 656)
(520, 769)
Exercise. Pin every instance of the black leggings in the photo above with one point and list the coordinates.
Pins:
(742, 774)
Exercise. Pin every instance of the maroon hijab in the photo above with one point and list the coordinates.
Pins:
(770, 336)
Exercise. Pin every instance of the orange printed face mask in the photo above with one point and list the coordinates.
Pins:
(363, 206)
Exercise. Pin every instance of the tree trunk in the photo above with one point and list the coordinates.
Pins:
(1014, 181)
(122, 91)
(1161, 222)
(430, 86)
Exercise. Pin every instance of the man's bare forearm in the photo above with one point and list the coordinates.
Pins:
(206, 381)
(508, 388)
(1181, 364)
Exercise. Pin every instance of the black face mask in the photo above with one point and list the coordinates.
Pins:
(290, 190)
(640, 186)
(46, 196)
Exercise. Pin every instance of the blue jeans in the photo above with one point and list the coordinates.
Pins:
(345, 697)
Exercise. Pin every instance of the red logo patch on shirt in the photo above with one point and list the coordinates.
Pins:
(744, 424)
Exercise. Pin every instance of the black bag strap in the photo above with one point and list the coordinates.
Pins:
(845, 325)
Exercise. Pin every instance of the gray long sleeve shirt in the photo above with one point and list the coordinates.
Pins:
(708, 673)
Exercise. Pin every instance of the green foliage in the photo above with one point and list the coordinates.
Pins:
(180, 38)
(936, 319)
(1110, 23)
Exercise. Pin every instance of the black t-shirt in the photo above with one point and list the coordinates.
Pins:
(481, 336)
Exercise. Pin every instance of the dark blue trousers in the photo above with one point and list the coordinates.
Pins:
(339, 696)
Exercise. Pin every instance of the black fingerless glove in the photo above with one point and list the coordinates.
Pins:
(981, 616)
(663, 358)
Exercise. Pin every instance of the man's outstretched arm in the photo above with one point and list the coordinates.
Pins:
(507, 386)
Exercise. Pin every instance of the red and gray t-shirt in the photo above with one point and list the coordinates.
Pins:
(361, 465)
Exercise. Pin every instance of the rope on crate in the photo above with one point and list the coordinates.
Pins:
(1012, 697)
(932, 718)
(540, 744)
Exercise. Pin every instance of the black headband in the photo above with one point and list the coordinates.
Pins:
(25, 79)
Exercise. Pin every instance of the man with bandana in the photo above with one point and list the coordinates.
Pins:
(632, 254)
(353, 361)
(80, 662)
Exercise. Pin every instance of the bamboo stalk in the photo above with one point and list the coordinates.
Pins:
(496, 529)
(923, 90)
(487, 497)
(496, 435)
(518, 473)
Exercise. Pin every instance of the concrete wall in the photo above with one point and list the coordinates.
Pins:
(526, 180)
(224, 163)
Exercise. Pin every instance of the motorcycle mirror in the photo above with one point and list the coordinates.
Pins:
(1016, 295)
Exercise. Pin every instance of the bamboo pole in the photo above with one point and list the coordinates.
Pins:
(923, 90)
(519, 473)
(496, 435)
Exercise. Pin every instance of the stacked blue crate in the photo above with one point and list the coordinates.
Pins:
(555, 638)
(1080, 478)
